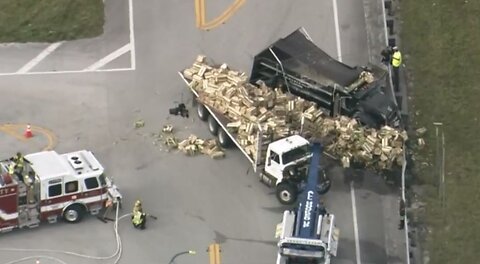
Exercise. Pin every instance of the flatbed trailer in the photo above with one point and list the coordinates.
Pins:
(269, 162)
(222, 121)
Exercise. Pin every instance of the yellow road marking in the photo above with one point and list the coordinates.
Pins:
(200, 14)
(12, 129)
(9, 130)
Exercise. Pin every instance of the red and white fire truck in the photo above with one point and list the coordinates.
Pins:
(53, 186)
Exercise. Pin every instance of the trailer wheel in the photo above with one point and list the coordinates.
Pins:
(325, 183)
(202, 112)
(212, 125)
(223, 139)
(286, 193)
(73, 213)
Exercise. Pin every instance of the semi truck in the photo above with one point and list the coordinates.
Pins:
(300, 67)
(308, 233)
(52, 186)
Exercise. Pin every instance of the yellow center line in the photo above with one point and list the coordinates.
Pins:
(198, 13)
(11, 131)
(227, 14)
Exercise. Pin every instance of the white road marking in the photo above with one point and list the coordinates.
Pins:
(352, 189)
(42, 55)
(355, 224)
(132, 35)
(110, 57)
(337, 30)
(66, 72)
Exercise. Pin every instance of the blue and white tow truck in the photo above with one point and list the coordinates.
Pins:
(308, 233)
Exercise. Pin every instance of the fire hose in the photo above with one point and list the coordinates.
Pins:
(117, 253)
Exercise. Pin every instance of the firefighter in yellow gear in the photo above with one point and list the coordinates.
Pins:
(139, 218)
(19, 161)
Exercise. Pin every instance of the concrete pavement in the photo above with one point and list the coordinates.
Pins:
(197, 200)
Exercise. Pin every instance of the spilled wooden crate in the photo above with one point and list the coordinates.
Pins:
(277, 114)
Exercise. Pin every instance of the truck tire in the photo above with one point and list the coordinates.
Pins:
(73, 213)
(212, 125)
(202, 112)
(223, 139)
(286, 193)
(324, 183)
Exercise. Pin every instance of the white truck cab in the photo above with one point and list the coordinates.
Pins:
(286, 167)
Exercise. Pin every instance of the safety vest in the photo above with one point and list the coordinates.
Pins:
(11, 169)
(396, 59)
(137, 218)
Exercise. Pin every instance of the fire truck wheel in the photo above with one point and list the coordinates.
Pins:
(286, 193)
(73, 213)
(202, 112)
(212, 125)
(223, 139)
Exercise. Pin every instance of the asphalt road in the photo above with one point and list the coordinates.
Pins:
(197, 200)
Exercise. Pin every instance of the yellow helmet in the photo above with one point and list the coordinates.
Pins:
(138, 203)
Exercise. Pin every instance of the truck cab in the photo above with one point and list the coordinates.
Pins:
(286, 167)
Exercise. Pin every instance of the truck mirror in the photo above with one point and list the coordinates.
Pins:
(269, 161)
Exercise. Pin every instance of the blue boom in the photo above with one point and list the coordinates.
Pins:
(308, 207)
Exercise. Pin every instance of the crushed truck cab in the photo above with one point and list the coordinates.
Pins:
(53, 186)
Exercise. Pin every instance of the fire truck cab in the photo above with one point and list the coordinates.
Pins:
(53, 186)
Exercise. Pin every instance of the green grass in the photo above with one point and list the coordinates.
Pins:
(442, 38)
(50, 20)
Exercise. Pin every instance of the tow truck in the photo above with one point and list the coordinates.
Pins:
(58, 186)
(308, 234)
(300, 67)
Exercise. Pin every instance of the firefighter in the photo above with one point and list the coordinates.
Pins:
(386, 55)
(19, 160)
(396, 62)
(15, 172)
(139, 218)
(137, 207)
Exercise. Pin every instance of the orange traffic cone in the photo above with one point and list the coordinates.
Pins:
(28, 132)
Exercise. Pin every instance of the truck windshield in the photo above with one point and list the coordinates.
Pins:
(296, 154)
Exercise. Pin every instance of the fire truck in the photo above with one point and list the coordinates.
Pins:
(53, 186)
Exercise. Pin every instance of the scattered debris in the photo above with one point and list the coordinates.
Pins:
(277, 114)
(167, 129)
(139, 123)
(420, 143)
(421, 131)
(192, 145)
